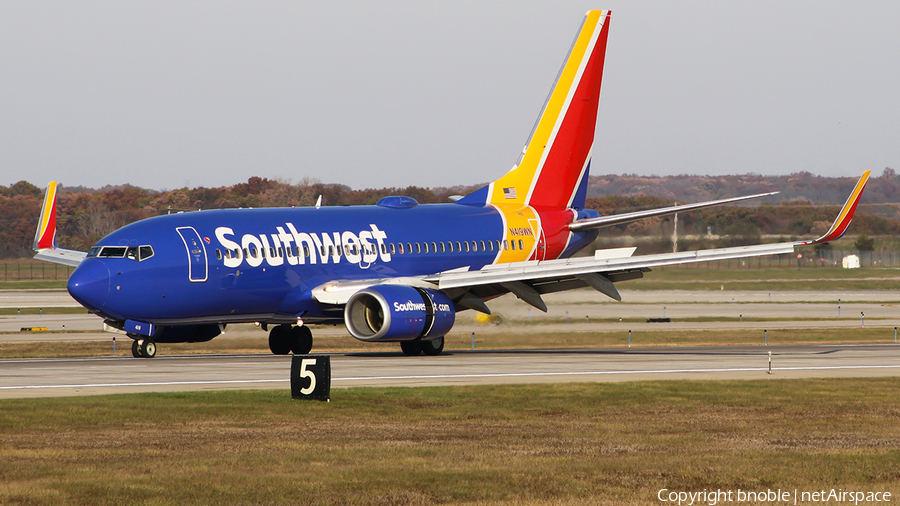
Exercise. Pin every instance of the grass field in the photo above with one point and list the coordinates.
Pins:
(494, 445)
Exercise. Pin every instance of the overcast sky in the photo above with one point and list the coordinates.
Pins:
(396, 93)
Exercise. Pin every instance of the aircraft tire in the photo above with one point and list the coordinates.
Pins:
(411, 348)
(301, 340)
(280, 339)
(433, 347)
(148, 349)
(136, 349)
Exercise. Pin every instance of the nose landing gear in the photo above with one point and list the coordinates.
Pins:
(284, 339)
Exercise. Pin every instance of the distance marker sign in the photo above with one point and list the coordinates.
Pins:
(311, 377)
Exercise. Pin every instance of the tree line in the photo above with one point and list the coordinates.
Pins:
(85, 215)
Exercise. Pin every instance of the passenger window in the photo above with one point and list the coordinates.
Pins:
(331, 251)
(306, 251)
(474, 246)
(483, 247)
(218, 254)
(521, 245)
(434, 247)
(443, 247)
(253, 252)
(272, 253)
(512, 245)
(458, 246)
(246, 253)
(418, 248)
(409, 248)
(425, 246)
(467, 246)
(491, 245)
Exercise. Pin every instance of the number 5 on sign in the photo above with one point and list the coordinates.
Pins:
(311, 377)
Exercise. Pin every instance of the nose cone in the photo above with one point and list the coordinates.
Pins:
(89, 284)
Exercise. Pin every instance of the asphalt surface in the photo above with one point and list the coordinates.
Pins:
(21, 378)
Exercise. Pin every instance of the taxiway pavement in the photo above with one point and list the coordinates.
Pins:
(20, 378)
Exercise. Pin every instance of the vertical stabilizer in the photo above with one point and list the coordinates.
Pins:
(552, 170)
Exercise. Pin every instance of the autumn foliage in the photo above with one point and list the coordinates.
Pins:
(85, 215)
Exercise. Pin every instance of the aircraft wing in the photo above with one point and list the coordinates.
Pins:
(61, 256)
(619, 219)
(530, 279)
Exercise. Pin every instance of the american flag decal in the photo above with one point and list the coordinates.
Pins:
(509, 193)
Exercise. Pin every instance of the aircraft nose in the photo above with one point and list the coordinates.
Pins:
(89, 284)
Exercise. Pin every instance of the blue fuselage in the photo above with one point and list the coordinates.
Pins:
(245, 265)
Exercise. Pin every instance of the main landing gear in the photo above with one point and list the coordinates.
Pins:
(143, 348)
(430, 347)
(284, 339)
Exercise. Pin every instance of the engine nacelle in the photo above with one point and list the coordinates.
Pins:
(398, 313)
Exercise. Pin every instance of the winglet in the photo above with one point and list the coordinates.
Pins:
(45, 237)
(842, 222)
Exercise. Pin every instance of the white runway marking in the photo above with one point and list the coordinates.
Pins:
(452, 376)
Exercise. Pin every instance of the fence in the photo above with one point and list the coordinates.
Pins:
(27, 269)
(809, 260)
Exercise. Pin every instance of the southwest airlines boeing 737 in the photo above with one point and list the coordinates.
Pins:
(396, 271)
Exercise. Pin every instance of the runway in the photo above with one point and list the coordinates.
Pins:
(22, 378)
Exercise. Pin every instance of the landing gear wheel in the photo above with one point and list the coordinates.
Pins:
(279, 339)
(136, 349)
(411, 348)
(148, 349)
(301, 340)
(433, 347)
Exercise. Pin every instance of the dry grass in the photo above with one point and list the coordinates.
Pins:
(503, 445)
(521, 338)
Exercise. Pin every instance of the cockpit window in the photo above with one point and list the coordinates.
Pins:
(137, 253)
(113, 251)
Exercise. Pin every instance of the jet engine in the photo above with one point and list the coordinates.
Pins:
(398, 313)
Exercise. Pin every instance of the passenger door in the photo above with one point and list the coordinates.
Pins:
(196, 251)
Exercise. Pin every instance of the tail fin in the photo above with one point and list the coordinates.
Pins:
(45, 237)
(553, 168)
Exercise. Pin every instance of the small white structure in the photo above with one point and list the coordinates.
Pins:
(850, 262)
